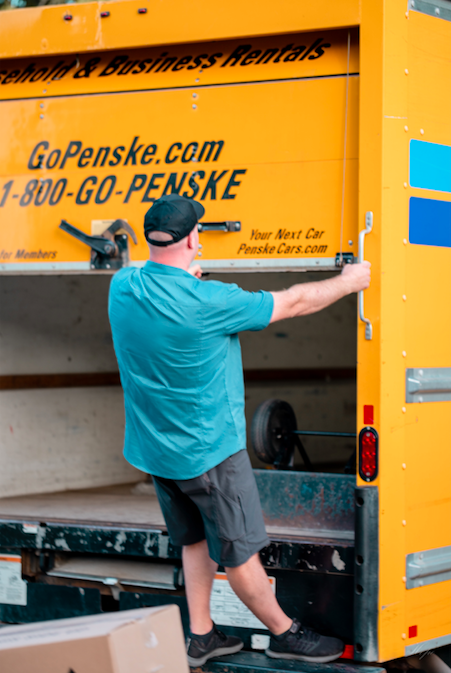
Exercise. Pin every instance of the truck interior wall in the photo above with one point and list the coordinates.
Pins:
(309, 362)
(53, 439)
(57, 438)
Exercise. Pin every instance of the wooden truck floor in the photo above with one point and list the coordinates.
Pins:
(121, 505)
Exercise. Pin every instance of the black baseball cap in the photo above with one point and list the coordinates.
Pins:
(173, 214)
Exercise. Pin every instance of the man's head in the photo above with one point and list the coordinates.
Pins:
(170, 228)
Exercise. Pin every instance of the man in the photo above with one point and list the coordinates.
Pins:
(176, 341)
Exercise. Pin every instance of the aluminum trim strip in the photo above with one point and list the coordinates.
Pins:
(37, 267)
(428, 385)
(217, 265)
(247, 265)
(427, 645)
(441, 9)
(428, 567)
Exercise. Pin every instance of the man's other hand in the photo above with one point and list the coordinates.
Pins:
(312, 297)
(195, 270)
(356, 276)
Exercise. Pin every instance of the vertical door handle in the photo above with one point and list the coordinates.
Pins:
(363, 233)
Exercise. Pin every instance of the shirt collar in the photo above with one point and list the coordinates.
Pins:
(153, 268)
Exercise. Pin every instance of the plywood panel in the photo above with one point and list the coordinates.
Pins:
(55, 325)
(52, 440)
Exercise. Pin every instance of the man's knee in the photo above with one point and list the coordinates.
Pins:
(252, 561)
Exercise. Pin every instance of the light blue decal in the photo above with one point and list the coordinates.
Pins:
(430, 222)
(430, 166)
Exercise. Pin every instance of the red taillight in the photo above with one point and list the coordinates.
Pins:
(368, 449)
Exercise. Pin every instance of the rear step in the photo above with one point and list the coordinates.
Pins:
(253, 662)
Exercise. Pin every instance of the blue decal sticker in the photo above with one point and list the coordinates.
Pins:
(430, 166)
(430, 222)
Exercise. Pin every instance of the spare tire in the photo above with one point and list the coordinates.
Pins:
(271, 432)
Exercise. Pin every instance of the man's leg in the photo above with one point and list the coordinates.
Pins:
(250, 583)
(206, 640)
(288, 638)
(199, 571)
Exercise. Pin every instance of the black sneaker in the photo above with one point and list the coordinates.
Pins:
(304, 644)
(212, 644)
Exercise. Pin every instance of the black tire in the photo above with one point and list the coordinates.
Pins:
(272, 425)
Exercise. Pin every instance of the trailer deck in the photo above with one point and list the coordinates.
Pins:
(131, 506)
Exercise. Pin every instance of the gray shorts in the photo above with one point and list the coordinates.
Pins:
(221, 506)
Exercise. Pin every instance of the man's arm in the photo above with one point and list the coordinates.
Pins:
(312, 297)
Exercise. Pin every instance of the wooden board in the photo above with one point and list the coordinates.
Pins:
(113, 505)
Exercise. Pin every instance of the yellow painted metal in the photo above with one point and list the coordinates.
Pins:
(43, 30)
(269, 154)
(428, 327)
(404, 65)
(291, 56)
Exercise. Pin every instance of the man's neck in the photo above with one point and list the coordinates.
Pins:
(168, 259)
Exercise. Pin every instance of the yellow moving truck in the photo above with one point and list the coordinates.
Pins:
(315, 134)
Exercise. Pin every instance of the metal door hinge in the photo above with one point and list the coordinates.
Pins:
(342, 258)
(428, 385)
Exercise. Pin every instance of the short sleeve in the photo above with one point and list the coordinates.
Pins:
(247, 310)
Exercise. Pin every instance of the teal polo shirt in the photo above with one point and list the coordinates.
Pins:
(179, 355)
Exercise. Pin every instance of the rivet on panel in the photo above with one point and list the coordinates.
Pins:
(404, 240)
(41, 116)
(45, 91)
(404, 298)
(406, 128)
(403, 636)
(422, 132)
(404, 354)
(405, 185)
(404, 466)
(406, 71)
(199, 253)
(403, 410)
(350, 243)
(437, 10)
(194, 106)
(404, 522)
(194, 95)
(404, 579)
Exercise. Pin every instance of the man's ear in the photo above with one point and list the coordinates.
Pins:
(191, 240)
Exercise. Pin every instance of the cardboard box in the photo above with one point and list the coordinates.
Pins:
(133, 641)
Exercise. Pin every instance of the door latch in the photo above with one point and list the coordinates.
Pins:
(109, 250)
(342, 258)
